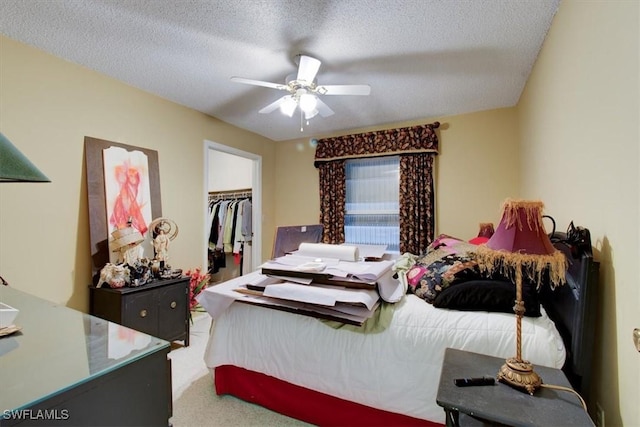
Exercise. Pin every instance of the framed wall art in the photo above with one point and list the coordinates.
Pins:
(123, 186)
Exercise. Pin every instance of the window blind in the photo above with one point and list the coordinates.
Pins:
(372, 202)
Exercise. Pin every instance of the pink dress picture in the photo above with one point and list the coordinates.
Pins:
(127, 189)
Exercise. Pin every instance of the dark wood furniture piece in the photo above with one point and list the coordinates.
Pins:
(501, 403)
(159, 308)
(65, 367)
(573, 309)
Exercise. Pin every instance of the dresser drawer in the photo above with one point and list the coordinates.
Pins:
(140, 312)
(172, 305)
(159, 308)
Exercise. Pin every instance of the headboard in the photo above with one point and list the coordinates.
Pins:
(572, 307)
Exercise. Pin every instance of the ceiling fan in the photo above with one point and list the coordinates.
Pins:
(304, 91)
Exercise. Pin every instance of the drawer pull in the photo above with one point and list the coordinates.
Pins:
(143, 313)
(173, 304)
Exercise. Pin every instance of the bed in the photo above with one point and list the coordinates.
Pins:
(327, 374)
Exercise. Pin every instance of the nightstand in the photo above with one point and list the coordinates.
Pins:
(159, 308)
(501, 403)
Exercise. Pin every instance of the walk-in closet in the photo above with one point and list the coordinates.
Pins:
(229, 226)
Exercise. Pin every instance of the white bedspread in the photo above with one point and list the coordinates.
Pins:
(397, 370)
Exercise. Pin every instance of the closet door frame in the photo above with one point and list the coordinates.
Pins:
(256, 200)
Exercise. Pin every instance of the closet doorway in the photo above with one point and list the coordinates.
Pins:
(233, 176)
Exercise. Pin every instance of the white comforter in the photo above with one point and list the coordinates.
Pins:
(397, 370)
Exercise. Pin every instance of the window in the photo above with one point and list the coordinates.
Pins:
(372, 202)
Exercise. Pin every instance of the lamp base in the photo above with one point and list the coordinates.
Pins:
(519, 374)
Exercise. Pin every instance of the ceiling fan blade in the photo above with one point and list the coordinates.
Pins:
(308, 68)
(273, 106)
(323, 109)
(259, 83)
(344, 90)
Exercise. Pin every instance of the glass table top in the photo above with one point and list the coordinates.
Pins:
(58, 348)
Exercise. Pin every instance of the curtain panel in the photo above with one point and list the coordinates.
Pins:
(333, 194)
(417, 216)
(416, 145)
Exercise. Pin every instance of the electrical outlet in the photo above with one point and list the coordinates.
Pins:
(599, 416)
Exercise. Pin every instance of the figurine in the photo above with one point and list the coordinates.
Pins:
(161, 242)
(114, 275)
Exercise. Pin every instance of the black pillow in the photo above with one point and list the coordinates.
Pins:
(487, 295)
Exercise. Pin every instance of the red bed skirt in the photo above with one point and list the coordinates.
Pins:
(302, 403)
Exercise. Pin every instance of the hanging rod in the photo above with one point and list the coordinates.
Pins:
(230, 194)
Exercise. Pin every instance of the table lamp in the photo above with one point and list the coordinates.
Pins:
(126, 241)
(520, 249)
(15, 167)
(486, 230)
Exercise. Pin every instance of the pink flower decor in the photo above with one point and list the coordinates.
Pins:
(197, 283)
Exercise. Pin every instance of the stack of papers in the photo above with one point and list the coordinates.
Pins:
(326, 287)
(330, 271)
(352, 306)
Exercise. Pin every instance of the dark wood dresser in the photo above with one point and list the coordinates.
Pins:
(159, 308)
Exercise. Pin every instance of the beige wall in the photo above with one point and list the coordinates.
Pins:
(229, 172)
(580, 134)
(47, 107)
(477, 168)
(578, 117)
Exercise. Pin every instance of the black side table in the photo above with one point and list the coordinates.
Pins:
(501, 403)
(159, 308)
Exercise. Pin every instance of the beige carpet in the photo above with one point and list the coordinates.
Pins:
(187, 363)
(195, 402)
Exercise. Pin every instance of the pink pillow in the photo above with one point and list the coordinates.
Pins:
(479, 240)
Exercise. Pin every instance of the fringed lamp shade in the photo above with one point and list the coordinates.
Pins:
(486, 230)
(520, 248)
(15, 167)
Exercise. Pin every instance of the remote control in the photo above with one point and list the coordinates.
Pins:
(467, 382)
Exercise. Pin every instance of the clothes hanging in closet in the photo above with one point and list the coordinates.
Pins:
(230, 228)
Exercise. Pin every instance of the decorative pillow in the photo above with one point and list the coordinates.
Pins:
(444, 247)
(450, 244)
(487, 295)
(427, 280)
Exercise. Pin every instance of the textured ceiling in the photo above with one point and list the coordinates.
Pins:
(422, 58)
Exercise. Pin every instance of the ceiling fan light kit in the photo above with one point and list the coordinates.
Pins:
(288, 105)
(308, 102)
(304, 91)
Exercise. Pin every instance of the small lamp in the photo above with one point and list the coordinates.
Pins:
(485, 233)
(15, 167)
(486, 230)
(126, 241)
(520, 249)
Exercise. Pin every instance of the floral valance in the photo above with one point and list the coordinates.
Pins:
(414, 139)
